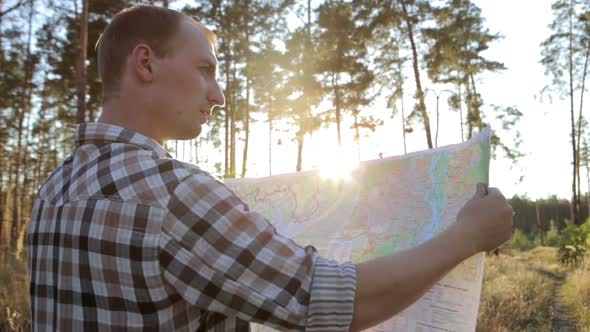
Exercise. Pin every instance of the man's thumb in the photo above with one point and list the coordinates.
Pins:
(481, 190)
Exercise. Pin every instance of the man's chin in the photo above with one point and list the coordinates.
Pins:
(187, 133)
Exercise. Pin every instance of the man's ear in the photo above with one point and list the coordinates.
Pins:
(142, 63)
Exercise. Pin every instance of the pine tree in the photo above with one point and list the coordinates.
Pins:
(343, 57)
(458, 38)
(566, 49)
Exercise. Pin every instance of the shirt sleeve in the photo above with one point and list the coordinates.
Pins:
(223, 258)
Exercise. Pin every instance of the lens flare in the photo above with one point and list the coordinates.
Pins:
(338, 165)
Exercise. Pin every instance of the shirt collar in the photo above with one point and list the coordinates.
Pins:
(109, 132)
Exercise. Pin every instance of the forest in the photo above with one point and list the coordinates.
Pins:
(295, 68)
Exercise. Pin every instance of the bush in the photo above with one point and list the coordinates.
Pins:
(552, 238)
(519, 241)
(573, 244)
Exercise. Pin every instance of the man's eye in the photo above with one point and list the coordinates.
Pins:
(208, 70)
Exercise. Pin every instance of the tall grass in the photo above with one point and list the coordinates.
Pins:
(576, 295)
(14, 294)
(518, 291)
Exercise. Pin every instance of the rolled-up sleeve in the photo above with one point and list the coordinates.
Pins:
(223, 258)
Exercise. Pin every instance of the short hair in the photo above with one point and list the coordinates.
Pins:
(152, 25)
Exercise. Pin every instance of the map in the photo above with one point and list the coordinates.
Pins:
(387, 205)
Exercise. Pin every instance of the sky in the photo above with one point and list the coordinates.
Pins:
(544, 170)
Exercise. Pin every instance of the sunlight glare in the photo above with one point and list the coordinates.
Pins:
(338, 165)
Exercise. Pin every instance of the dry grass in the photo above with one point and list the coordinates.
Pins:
(517, 294)
(518, 291)
(14, 294)
(576, 295)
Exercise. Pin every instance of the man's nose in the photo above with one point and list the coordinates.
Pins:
(216, 97)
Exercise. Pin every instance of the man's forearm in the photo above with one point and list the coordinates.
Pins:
(389, 284)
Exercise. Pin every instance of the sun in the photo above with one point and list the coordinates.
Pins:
(338, 165)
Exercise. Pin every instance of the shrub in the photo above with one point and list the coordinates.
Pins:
(573, 244)
(552, 238)
(519, 241)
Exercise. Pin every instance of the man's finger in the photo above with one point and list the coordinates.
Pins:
(481, 190)
(495, 192)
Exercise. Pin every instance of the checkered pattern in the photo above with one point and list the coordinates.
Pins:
(123, 237)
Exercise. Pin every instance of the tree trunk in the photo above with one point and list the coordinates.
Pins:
(476, 112)
(3, 162)
(337, 104)
(232, 150)
(469, 104)
(357, 137)
(26, 185)
(81, 64)
(580, 119)
(460, 108)
(588, 191)
(269, 135)
(419, 91)
(246, 117)
(24, 108)
(300, 141)
(228, 104)
(539, 223)
(42, 141)
(246, 129)
(574, 203)
(196, 151)
(400, 87)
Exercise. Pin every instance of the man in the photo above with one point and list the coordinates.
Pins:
(125, 237)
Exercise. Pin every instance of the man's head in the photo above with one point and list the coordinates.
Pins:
(163, 62)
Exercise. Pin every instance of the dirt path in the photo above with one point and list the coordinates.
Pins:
(561, 322)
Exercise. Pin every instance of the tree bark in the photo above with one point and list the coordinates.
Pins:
(300, 141)
(337, 104)
(3, 162)
(24, 108)
(81, 64)
(419, 91)
(574, 203)
(228, 104)
(460, 108)
(580, 119)
(357, 137)
(232, 123)
(469, 104)
(479, 123)
(246, 117)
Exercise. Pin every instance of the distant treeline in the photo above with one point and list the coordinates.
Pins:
(532, 216)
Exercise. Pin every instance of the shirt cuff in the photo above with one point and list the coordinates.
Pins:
(332, 293)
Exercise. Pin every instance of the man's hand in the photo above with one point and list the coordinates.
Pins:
(486, 219)
(389, 284)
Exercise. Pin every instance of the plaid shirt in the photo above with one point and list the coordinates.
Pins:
(123, 237)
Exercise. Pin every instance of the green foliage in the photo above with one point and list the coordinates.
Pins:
(552, 237)
(573, 244)
(519, 241)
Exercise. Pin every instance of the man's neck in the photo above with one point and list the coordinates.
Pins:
(129, 117)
